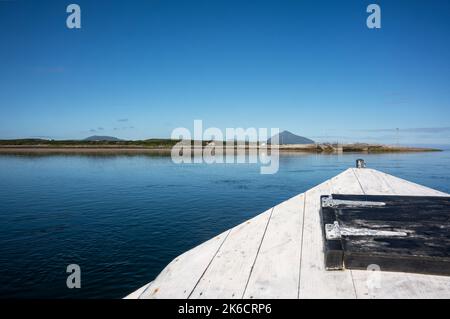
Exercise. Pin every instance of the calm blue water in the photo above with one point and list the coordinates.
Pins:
(123, 218)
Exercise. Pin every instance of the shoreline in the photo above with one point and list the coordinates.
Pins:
(133, 149)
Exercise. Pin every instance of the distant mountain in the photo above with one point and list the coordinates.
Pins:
(287, 137)
(97, 138)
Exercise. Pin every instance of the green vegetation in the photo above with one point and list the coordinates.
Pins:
(150, 143)
(167, 144)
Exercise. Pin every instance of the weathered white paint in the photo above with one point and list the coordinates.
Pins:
(373, 184)
(276, 270)
(136, 294)
(279, 254)
(315, 281)
(345, 183)
(228, 273)
(179, 278)
(400, 186)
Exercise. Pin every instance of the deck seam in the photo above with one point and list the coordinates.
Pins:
(207, 266)
(351, 271)
(301, 246)
(257, 252)
(359, 183)
(145, 289)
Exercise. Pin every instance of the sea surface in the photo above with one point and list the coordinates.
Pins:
(123, 218)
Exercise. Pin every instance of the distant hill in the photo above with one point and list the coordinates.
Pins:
(97, 138)
(287, 137)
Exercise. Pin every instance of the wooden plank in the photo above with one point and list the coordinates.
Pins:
(392, 285)
(137, 294)
(229, 271)
(179, 278)
(276, 270)
(346, 183)
(403, 187)
(315, 281)
(372, 183)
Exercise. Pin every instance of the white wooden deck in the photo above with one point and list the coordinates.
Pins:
(279, 254)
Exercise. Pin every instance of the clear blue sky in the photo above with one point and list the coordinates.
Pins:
(138, 69)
